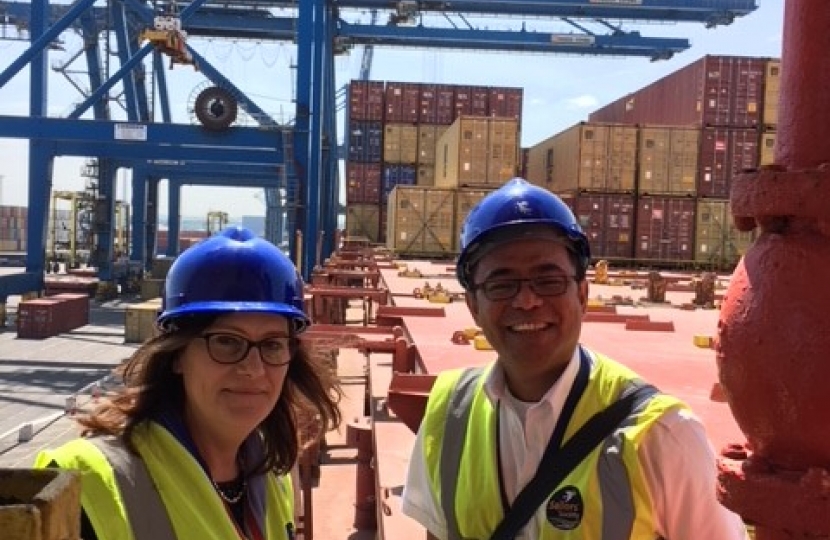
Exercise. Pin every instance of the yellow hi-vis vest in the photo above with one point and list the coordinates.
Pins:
(192, 506)
(604, 498)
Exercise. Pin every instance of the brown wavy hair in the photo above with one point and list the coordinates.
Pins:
(152, 388)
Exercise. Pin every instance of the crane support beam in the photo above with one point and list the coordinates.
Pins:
(705, 11)
(622, 44)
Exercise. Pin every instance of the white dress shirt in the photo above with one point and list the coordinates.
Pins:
(677, 458)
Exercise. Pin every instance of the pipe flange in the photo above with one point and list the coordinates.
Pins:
(772, 195)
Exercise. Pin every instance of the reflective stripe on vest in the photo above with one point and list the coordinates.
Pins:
(145, 510)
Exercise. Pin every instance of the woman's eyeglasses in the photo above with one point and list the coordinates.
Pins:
(225, 348)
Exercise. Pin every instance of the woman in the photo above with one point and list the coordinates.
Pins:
(200, 443)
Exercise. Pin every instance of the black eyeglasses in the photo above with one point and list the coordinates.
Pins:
(225, 348)
(507, 288)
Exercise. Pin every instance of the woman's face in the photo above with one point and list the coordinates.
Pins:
(229, 400)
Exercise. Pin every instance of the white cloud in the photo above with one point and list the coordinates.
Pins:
(585, 101)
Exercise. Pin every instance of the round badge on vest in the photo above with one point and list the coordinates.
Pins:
(565, 508)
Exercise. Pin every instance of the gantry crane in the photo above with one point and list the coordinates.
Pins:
(296, 159)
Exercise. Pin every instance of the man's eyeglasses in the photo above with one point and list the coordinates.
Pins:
(507, 288)
(226, 348)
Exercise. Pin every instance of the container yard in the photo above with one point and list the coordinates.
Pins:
(366, 189)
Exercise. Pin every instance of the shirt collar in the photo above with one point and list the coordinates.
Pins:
(495, 386)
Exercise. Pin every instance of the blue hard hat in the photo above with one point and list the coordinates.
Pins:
(233, 271)
(514, 205)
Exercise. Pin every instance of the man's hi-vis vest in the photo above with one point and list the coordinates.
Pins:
(604, 498)
(179, 488)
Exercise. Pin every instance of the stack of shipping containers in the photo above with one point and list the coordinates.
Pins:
(13, 228)
(693, 130)
(399, 191)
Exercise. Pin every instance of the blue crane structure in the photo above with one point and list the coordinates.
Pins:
(295, 162)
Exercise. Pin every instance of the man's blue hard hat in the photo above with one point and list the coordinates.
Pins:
(516, 205)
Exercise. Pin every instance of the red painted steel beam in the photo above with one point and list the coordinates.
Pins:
(773, 333)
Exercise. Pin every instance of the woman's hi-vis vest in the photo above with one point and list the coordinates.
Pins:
(604, 498)
(192, 505)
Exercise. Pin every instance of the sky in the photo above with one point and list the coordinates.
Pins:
(559, 90)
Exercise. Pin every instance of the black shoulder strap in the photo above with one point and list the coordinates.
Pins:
(557, 464)
(145, 510)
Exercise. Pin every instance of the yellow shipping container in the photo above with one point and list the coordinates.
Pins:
(465, 200)
(477, 151)
(421, 221)
(772, 90)
(140, 322)
(363, 220)
(400, 143)
(426, 175)
(767, 148)
(667, 159)
(427, 137)
(596, 157)
(718, 243)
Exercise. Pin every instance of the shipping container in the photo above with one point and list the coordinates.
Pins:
(461, 153)
(502, 150)
(363, 182)
(594, 157)
(363, 220)
(772, 93)
(396, 175)
(366, 100)
(767, 150)
(607, 219)
(718, 244)
(505, 102)
(366, 142)
(403, 103)
(665, 228)
(421, 221)
(400, 143)
(427, 139)
(712, 91)
(471, 101)
(667, 160)
(437, 104)
(723, 153)
(477, 151)
(139, 321)
(426, 176)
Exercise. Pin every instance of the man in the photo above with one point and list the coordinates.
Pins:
(522, 264)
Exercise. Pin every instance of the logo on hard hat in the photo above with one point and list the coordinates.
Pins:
(523, 208)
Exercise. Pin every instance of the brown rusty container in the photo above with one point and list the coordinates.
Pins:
(445, 105)
(712, 91)
(718, 244)
(665, 228)
(724, 152)
(505, 102)
(403, 101)
(363, 182)
(363, 220)
(667, 159)
(608, 221)
(38, 318)
(40, 504)
(421, 221)
(595, 157)
(428, 104)
(73, 310)
(366, 100)
(471, 101)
